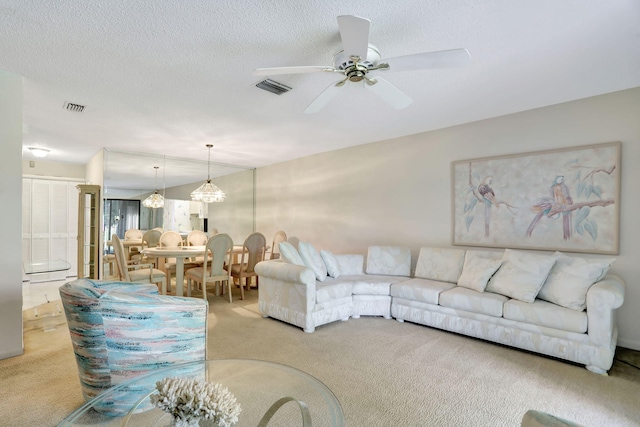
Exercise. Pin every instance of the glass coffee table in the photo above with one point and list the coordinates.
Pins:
(270, 394)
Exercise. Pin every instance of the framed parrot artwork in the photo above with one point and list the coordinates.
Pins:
(566, 199)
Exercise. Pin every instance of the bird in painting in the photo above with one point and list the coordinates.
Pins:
(562, 196)
(488, 198)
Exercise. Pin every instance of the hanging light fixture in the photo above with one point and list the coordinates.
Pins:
(208, 192)
(155, 200)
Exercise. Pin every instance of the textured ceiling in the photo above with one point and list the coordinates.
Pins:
(168, 77)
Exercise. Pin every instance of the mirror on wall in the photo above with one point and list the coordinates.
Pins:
(132, 176)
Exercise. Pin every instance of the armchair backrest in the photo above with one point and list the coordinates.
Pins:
(120, 330)
(80, 299)
(146, 332)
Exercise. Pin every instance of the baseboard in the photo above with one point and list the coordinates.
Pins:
(630, 344)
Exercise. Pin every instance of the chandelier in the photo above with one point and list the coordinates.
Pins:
(155, 200)
(208, 192)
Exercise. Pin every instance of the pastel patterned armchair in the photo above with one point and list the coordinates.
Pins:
(121, 330)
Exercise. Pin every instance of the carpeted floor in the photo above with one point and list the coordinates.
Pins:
(384, 373)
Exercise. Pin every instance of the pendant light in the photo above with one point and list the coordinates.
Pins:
(208, 192)
(155, 200)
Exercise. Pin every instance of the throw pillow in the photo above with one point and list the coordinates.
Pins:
(330, 261)
(313, 260)
(521, 275)
(477, 271)
(570, 279)
(288, 253)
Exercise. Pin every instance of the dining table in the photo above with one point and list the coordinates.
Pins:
(180, 253)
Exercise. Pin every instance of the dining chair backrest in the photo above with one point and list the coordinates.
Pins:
(197, 238)
(151, 238)
(254, 247)
(220, 246)
(133, 234)
(170, 239)
(121, 264)
(214, 231)
(280, 236)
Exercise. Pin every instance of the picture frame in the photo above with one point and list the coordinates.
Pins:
(564, 199)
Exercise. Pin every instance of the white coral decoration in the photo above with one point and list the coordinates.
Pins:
(190, 400)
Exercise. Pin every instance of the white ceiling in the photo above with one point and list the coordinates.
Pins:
(168, 77)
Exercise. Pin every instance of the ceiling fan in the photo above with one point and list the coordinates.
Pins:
(358, 58)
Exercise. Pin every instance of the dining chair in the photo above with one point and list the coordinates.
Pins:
(150, 239)
(133, 234)
(252, 253)
(197, 238)
(280, 236)
(213, 269)
(173, 239)
(128, 271)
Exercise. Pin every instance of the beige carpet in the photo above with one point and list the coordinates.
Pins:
(384, 373)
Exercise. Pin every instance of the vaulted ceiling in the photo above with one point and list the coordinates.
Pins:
(168, 77)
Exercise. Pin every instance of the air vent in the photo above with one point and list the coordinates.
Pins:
(76, 108)
(273, 87)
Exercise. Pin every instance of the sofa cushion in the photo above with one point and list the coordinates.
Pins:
(371, 284)
(330, 261)
(289, 253)
(350, 264)
(521, 275)
(440, 264)
(313, 260)
(460, 298)
(570, 279)
(332, 289)
(389, 260)
(422, 290)
(477, 270)
(544, 313)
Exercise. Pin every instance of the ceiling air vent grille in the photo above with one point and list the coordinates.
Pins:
(273, 87)
(76, 108)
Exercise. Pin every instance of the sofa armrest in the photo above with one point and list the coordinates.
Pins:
(603, 298)
(285, 286)
(286, 272)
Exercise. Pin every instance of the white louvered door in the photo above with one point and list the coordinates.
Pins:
(49, 228)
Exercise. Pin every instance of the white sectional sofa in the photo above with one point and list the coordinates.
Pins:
(549, 303)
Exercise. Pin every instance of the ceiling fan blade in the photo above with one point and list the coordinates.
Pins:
(354, 32)
(324, 98)
(420, 61)
(292, 70)
(389, 93)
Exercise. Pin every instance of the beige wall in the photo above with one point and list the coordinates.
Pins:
(398, 192)
(52, 169)
(234, 216)
(11, 215)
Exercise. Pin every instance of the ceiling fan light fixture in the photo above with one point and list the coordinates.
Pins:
(39, 151)
(208, 192)
(155, 200)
